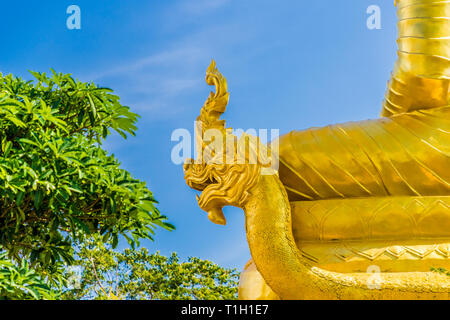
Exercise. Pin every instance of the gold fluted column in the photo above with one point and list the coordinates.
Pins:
(420, 79)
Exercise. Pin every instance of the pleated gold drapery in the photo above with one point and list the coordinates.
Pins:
(405, 153)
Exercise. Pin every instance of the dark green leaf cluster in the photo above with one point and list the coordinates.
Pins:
(22, 283)
(57, 184)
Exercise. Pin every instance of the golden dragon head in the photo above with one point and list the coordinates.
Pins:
(227, 167)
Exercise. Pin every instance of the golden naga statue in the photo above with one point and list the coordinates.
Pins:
(359, 210)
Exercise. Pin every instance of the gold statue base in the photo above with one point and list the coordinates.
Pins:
(390, 235)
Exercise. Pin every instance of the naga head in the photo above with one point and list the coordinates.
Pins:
(224, 171)
(221, 185)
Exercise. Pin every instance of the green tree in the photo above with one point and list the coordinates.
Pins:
(57, 183)
(136, 274)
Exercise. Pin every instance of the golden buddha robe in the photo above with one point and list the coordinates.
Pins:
(404, 153)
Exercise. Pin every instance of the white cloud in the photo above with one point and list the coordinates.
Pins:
(160, 82)
(165, 58)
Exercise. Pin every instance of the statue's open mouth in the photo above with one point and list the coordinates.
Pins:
(200, 177)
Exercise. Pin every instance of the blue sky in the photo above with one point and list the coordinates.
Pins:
(289, 64)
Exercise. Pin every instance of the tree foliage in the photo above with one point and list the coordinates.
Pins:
(59, 187)
(57, 183)
(22, 283)
(137, 274)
